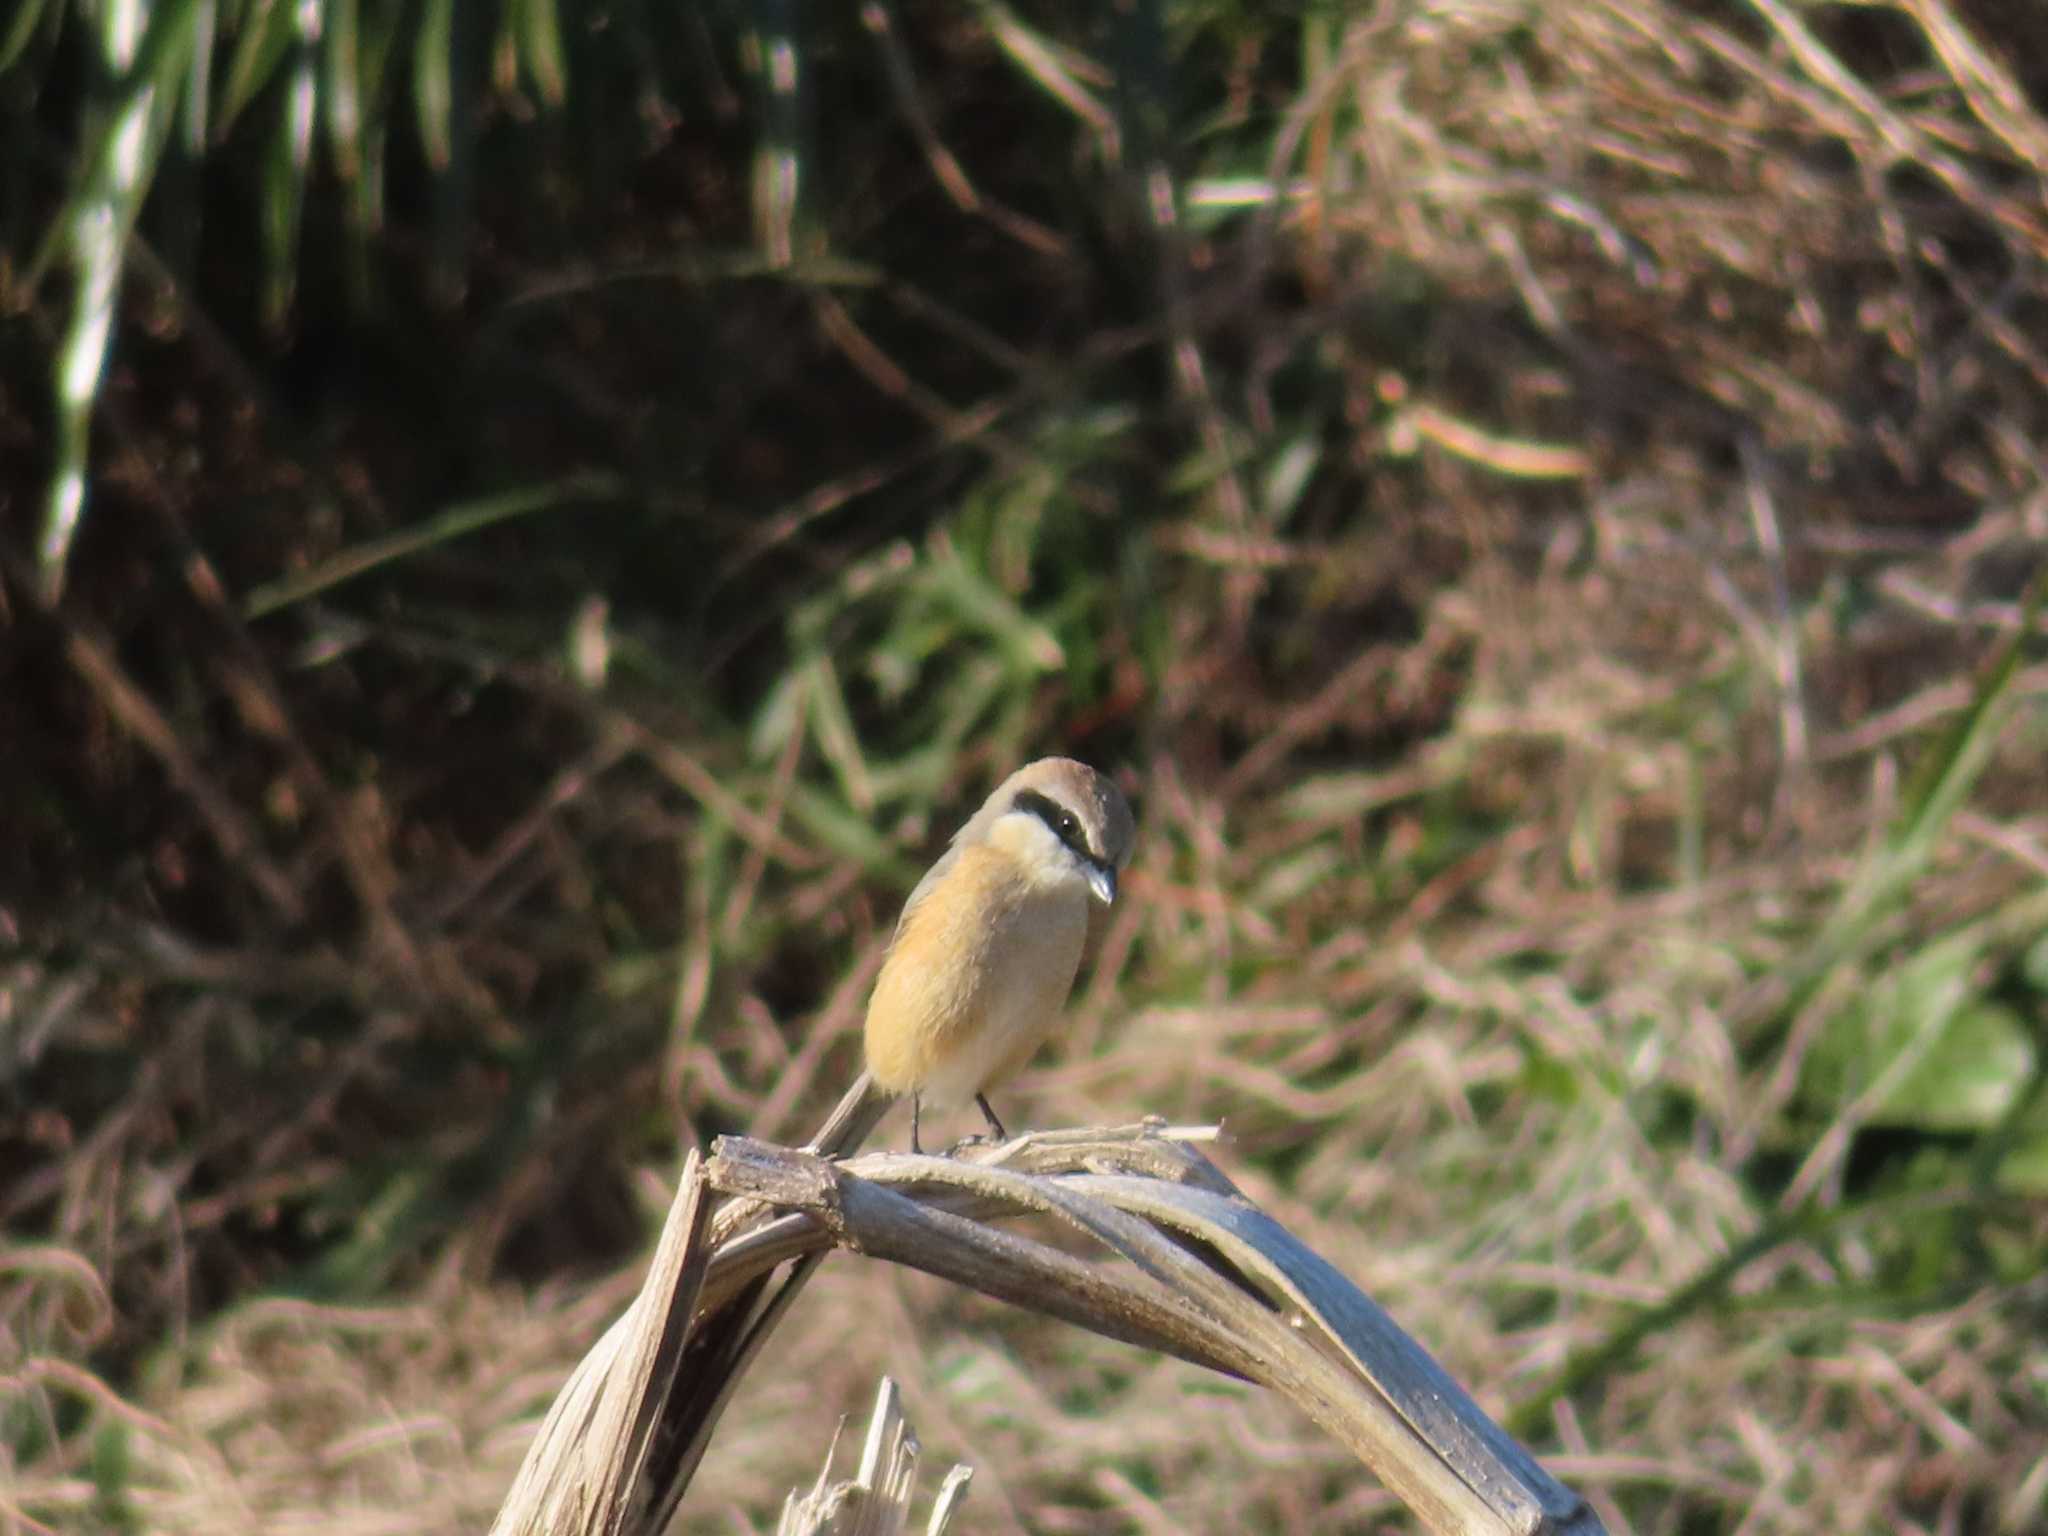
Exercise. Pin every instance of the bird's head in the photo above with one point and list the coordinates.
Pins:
(1066, 820)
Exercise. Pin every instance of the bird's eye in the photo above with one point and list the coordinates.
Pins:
(1068, 825)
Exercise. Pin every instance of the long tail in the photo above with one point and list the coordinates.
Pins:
(853, 1119)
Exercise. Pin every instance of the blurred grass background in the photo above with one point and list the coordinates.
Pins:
(526, 525)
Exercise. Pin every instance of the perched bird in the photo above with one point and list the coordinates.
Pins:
(987, 946)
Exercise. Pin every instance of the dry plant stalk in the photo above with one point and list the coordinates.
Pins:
(587, 1466)
(1213, 1280)
(875, 1501)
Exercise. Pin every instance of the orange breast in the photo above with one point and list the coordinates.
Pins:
(976, 978)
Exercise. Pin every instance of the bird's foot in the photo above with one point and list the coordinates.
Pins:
(995, 1126)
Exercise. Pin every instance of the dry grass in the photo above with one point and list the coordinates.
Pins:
(1638, 413)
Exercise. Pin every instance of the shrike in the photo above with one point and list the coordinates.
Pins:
(986, 949)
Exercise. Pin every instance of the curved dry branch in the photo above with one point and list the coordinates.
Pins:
(1209, 1277)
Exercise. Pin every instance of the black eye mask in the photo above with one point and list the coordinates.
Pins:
(1066, 826)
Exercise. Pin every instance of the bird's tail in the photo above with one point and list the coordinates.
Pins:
(853, 1119)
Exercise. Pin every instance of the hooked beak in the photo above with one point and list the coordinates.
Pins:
(1102, 881)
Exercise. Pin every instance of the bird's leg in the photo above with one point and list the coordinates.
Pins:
(990, 1115)
(915, 1101)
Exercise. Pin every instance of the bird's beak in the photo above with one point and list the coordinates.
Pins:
(1102, 881)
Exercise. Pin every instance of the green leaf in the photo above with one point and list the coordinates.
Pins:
(2034, 964)
(1029, 644)
(451, 522)
(837, 737)
(284, 179)
(1937, 1054)
(433, 83)
(267, 30)
(19, 31)
(1288, 476)
(341, 87)
(780, 714)
(198, 102)
(358, 50)
(1939, 786)
(91, 231)
(1946, 775)
(540, 48)
(1552, 1080)
(845, 833)
(1969, 1079)
(2025, 1170)
(113, 1473)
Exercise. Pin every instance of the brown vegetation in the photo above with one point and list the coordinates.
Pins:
(1550, 538)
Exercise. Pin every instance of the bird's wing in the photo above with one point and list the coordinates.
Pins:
(924, 888)
(974, 831)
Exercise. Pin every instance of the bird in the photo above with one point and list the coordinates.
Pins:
(986, 949)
